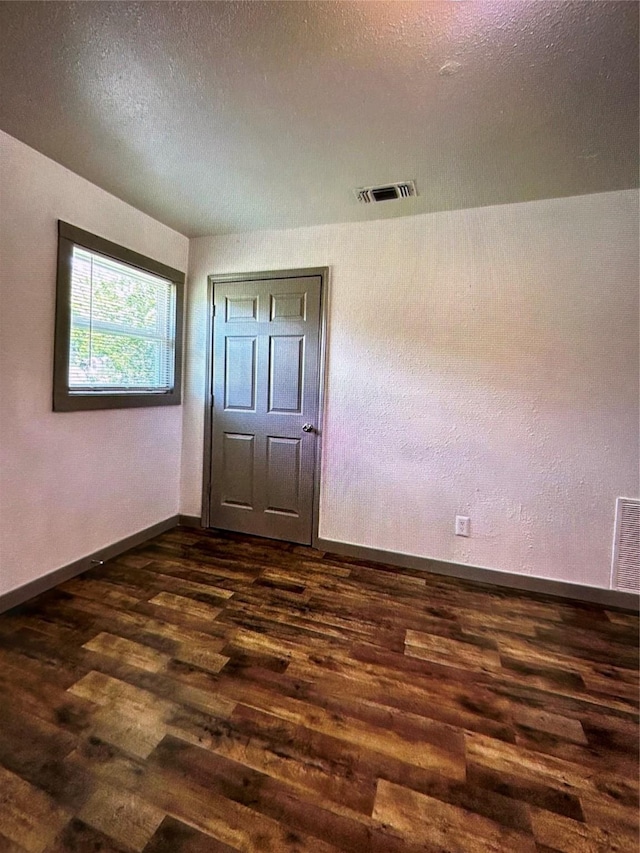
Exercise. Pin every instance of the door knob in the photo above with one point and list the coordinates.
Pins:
(307, 428)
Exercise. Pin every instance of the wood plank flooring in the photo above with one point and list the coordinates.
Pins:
(211, 693)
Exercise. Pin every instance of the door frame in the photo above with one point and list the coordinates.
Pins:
(209, 402)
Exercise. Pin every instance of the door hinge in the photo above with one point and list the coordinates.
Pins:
(213, 310)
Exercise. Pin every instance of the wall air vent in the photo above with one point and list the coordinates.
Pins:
(625, 570)
(386, 192)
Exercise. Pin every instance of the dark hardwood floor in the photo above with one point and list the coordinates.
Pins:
(215, 693)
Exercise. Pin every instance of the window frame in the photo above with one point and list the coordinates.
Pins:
(65, 400)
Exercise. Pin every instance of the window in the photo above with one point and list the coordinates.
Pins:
(118, 326)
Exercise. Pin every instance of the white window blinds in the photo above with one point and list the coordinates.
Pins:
(122, 327)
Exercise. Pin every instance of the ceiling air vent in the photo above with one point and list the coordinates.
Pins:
(625, 571)
(386, 192)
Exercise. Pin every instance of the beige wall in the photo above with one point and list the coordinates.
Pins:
(481, 362)
(71, 483)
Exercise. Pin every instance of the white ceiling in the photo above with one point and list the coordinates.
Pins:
(228, 116)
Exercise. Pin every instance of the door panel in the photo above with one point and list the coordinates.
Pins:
(241, 310)
(265, 388)
(240, 373)
(238, 470)
(283, 475)
(288, 306)
(286, 358)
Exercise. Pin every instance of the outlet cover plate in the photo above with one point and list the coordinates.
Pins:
(463, 524)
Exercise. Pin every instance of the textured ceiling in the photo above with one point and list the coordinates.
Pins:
(229, 116)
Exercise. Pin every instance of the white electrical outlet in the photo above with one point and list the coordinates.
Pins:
(463, 523)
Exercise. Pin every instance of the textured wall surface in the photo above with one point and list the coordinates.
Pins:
(480, 362)
(71, 483)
